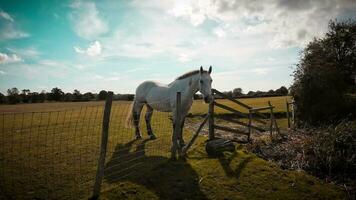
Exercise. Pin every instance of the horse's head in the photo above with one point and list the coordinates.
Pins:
(205, 84)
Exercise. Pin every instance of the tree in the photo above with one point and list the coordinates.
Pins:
(42, 96)
(88, 96)
(56, 94)
(282, 91)
(25, 96)
(13, 95)
(2, 98)
(102, 95)
(34, 97)
(324, 75)
(77, 95)
(236, 92)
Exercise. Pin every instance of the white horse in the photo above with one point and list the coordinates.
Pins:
(162, 97)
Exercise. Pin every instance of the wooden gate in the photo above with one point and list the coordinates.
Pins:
(254, 117)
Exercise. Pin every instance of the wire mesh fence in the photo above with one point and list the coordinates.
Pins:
(54, 154)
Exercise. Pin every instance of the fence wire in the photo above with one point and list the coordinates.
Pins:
(54, 154)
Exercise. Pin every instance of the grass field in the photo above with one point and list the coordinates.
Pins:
(53, 155)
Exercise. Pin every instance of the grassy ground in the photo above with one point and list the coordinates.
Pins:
(53, 155)
(237, 175)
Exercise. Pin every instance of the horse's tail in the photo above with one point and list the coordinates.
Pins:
(129, 117)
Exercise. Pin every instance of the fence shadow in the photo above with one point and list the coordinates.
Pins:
(165, 178)
(225, 163)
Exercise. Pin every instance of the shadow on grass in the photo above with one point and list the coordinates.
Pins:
(225, 163)
(165, 178)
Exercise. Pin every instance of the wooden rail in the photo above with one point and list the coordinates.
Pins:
(224, 128)
(236, 112)
(232, 120)
(261, 108)
(190, 143)
(251, 111)
(236, 101)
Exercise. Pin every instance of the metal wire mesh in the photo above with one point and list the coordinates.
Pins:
(54, 154)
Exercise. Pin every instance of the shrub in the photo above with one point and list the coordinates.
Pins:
(332, 151)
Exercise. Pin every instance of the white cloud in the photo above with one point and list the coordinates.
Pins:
(30, 52)
(8, 28)
(183, 58)
(2, 72)
(137, 69)
(93, 50)
(9, 58)
(86, 19)
(219, 32)
(6, 16)
(260, 71)
(283, 23)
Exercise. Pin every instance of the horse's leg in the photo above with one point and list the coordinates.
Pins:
(136, 113)
(174, 140)
(148, 117)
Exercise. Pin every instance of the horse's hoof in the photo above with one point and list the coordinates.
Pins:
(138, 137)
(152, 137)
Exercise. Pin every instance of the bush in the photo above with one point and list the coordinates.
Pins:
(331, 151)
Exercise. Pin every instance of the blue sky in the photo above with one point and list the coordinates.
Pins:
(115, 45)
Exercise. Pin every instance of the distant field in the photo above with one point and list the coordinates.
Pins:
(199, 107)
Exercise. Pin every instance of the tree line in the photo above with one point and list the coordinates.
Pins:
(238, 93)
(15, 96)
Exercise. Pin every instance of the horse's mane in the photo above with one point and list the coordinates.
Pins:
(189, 74)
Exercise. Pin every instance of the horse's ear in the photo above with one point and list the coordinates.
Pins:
(201, 69)
(210, 69)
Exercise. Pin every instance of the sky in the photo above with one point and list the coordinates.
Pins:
(116, 45)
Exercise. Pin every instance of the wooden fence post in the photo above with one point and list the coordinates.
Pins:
(271, 119)
(211, 118)
(288, 116)
(103, 146)
(249, 124)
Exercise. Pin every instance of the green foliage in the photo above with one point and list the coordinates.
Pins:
(56, 94)
(13, 95)
(102, 95)
(324, 75)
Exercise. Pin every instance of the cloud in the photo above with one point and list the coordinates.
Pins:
(2, 72)
(260, 71)
(30, 52)
(219, 32)
(183, 58)
(9, 58)
(86, 20)
(93, 50)
(282, 22)
(8, 28)
(6, 16)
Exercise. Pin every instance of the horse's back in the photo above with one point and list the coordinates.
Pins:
(155, 94)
